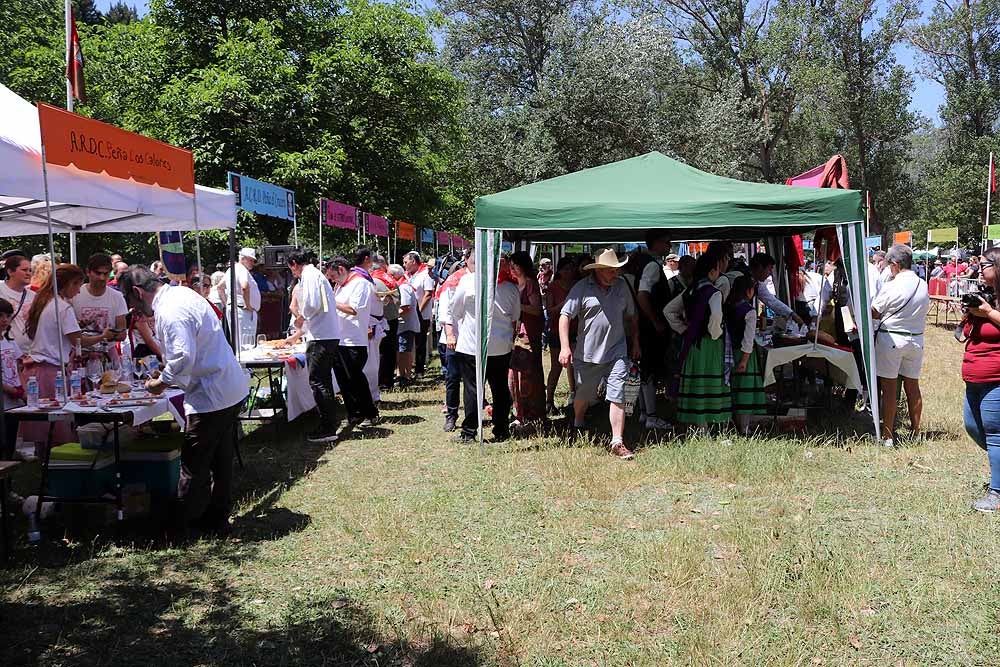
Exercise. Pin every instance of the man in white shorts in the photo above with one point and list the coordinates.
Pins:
(902, 306)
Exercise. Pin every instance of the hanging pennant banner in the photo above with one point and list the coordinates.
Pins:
(426, 235)
(873, 242)
(338, 215)
(905, 238)
(406, 231)
(949, 234)
(172, 254)
(260, 197)
(377, 225)
(90, 145)
(444, 238)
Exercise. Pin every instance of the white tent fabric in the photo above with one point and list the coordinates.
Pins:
(86, 202)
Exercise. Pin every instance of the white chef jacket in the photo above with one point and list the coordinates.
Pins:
(317, 305)
(196, 355)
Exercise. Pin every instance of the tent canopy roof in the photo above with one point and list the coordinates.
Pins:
(83, 201)
(619, 201)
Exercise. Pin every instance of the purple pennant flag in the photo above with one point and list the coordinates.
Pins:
(377, 225)
(339, 215)
(444, 238)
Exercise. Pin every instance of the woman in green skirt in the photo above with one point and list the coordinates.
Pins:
(703, 397)
(745, 379)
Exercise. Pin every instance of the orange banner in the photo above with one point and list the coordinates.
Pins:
(905, 238)
(90, 145)
(406, 231)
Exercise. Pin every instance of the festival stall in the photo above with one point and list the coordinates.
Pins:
(618, 202)
(67, 173)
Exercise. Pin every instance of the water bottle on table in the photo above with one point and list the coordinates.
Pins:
(60, 388)
(75, 384)
(32, 391)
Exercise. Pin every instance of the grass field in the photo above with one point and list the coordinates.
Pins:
(410, 550)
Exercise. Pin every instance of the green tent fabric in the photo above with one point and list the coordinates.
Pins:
(618, 201)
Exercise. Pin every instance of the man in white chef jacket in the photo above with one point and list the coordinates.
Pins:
(198, 359)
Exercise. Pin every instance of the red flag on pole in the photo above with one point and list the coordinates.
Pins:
(74, 63)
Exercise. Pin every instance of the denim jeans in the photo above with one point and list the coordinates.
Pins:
(452, 380)
(982, 422)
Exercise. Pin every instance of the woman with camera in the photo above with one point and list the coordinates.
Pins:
(981, 372)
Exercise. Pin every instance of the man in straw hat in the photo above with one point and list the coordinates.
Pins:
(602, 304)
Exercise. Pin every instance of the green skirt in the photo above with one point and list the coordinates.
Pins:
(748, 389)
(704, 397)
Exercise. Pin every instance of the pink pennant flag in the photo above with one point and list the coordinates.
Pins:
(444, 238)
(377, 225)
(339, 215)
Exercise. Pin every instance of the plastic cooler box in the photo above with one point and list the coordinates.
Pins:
(75, 471)
(153, 461)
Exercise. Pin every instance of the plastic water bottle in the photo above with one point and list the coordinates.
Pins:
(632, 385)
(60, 388)
(75, 384)
(32, 391)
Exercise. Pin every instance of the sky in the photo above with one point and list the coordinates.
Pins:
(927, 95)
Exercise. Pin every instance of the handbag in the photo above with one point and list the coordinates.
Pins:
(522, 356)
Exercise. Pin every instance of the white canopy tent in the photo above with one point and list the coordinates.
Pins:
(85, 202)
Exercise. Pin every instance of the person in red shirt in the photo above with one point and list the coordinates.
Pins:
(981, 373)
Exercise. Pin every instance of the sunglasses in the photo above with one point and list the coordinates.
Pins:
(985, 265)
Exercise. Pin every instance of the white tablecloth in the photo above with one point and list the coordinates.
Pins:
(299, 396)
(140, 413)
(843, 369)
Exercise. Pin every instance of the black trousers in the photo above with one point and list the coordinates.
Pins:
(496, 377)
(387, 352)
(204, 490)
(321, 358)
(350, 371)
(420, 360)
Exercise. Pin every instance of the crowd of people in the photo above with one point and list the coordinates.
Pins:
(680, 327)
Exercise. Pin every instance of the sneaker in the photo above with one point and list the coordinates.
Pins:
(449, 424)
(462, 438)
(654, 423)
(989, 503)
(370, 422)
(889, 443)
(321, 437)
(619, 450)
(354, 421)
(501, 437)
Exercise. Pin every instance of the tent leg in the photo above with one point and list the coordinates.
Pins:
(72, 247)
(233, 324)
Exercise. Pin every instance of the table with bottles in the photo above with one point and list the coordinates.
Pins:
(128, 405)
(279, 390)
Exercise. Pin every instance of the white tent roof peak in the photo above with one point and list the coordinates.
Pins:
(83, 201)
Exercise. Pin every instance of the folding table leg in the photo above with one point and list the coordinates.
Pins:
(4, 519)
(42, 485)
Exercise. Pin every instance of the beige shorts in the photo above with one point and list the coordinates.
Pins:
(898, 355)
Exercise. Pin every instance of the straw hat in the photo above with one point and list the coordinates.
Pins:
(606, 260)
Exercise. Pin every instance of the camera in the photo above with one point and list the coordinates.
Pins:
(986, 293)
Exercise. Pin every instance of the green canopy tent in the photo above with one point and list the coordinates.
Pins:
(618, 202)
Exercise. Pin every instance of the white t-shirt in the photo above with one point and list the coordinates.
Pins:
(20, 322)
(10, 352)
(358, 294)
(408, 297)
(422, 283)
(903, 303)
(244, 279)
(651, 273)
(670, 273)
(317, 305)
(506, 311)
(97, 313)
(45, 346)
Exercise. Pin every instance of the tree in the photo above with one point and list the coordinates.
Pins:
(86, 11)
(121, 13)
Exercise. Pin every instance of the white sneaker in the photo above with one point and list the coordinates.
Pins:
(888, 443)
(657, 424)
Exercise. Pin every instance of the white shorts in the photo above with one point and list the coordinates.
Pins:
(897, 355)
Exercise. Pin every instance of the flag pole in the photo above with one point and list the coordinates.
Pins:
(321, 229)
(989, 196)
(68, 11)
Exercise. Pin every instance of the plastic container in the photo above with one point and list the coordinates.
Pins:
(75, 384)
(154, 462)
(75, 471)
(60, 388)
(95, 436)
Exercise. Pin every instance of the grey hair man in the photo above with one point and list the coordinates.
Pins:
(901, 306)
(198, 359)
